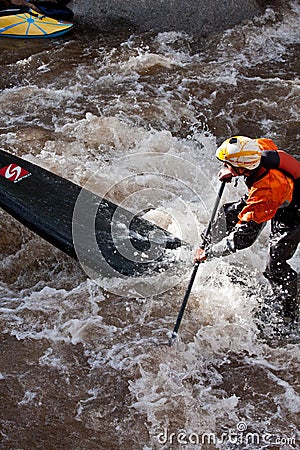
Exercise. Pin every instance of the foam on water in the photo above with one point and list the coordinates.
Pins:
(145, 114)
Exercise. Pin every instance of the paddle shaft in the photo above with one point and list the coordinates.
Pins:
(196, 266)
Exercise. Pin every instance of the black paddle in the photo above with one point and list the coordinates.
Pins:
(196, 265)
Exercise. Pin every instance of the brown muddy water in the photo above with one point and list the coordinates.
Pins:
(84, 364)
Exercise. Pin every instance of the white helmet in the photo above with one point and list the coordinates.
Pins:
(240, 151)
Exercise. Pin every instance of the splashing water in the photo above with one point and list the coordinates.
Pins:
(84, 367)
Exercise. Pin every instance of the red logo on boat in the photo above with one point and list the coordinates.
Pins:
(14, 173)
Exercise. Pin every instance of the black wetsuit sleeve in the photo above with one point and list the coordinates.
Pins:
(242, 236)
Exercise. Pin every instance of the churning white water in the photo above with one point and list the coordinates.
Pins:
(137, 117)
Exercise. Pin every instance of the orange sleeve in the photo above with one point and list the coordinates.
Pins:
(266, 196)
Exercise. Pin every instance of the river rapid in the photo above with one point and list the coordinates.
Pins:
(86, 365)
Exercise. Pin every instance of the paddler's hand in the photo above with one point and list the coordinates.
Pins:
(225, 174)
(200, 256)
(27, 4)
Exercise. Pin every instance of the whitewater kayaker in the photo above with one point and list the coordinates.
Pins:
(273, 180)
(54, 9)
(5, 4)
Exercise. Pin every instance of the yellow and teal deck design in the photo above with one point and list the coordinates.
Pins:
(32, 25)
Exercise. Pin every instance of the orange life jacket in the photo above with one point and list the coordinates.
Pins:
(271, 186)
(266, 144)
